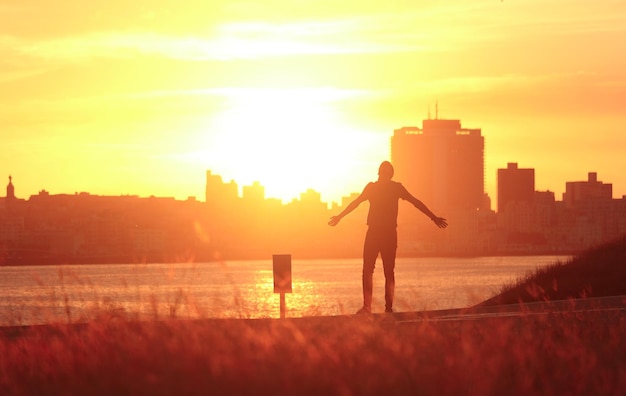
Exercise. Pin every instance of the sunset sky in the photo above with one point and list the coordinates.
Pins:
(142, 97)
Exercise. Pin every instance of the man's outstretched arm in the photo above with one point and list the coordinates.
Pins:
(439, 221)
(334, 220)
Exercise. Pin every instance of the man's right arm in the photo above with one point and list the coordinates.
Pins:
(334, 220)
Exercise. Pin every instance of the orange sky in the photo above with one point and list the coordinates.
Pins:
(143, 97)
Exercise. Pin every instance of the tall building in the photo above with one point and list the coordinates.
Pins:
(515, 185)
(441, 163)
(10, 189)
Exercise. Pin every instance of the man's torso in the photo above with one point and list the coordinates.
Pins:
(383, 197)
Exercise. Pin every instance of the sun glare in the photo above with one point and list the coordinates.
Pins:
(288, 140)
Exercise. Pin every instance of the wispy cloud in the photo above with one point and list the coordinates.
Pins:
(235, 41)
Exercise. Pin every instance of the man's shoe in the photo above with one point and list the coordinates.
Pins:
(388, 310)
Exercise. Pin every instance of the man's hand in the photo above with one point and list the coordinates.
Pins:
(440, 222)
(334, 220)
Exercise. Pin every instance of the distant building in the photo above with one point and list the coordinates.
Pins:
(219, 192)
(254, 192)
(441, 163)
(515, 185)
(10, 189)
(311, 196)
(589, 217)
(587, 192)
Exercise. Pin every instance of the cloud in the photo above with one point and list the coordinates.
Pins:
(229, 41)
(445, 47)
(194, 30)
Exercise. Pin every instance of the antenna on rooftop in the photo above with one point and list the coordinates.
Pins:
(436, 110)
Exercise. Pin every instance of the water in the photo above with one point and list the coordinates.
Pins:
(244, 289)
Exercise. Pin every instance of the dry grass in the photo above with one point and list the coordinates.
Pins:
(598, 272)
(548, 354)
(545, 353)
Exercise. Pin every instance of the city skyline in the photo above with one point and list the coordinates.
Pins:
(136, 98)
(86, 228)
(257, 189)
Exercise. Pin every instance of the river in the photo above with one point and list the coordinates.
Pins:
(244, 289)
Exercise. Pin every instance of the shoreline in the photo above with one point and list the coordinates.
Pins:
(124, 261)
(476, 312)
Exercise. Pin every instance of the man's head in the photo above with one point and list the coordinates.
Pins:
(385, 171)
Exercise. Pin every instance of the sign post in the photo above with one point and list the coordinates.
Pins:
(282, 278)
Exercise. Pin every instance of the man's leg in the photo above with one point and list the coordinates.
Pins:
(388, 254)
(370, 252)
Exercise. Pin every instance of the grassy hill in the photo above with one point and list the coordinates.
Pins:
(598, 272)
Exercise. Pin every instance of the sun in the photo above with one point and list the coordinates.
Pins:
(289, 140)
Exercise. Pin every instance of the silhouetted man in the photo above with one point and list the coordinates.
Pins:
(381, 236)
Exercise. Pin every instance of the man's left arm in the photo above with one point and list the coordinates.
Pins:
(439, 221)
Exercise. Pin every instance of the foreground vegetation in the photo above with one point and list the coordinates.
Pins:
(548, 353)
(598, 272)
(554, 354)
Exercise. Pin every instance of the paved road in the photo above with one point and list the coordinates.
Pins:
(605, 304)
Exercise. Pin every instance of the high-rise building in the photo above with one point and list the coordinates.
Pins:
(441, 163)
(515, 185)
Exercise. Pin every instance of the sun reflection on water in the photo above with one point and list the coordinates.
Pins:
(33, 295)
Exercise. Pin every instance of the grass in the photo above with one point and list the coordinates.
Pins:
(598, 272)
(553, 354)
(547, 353)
